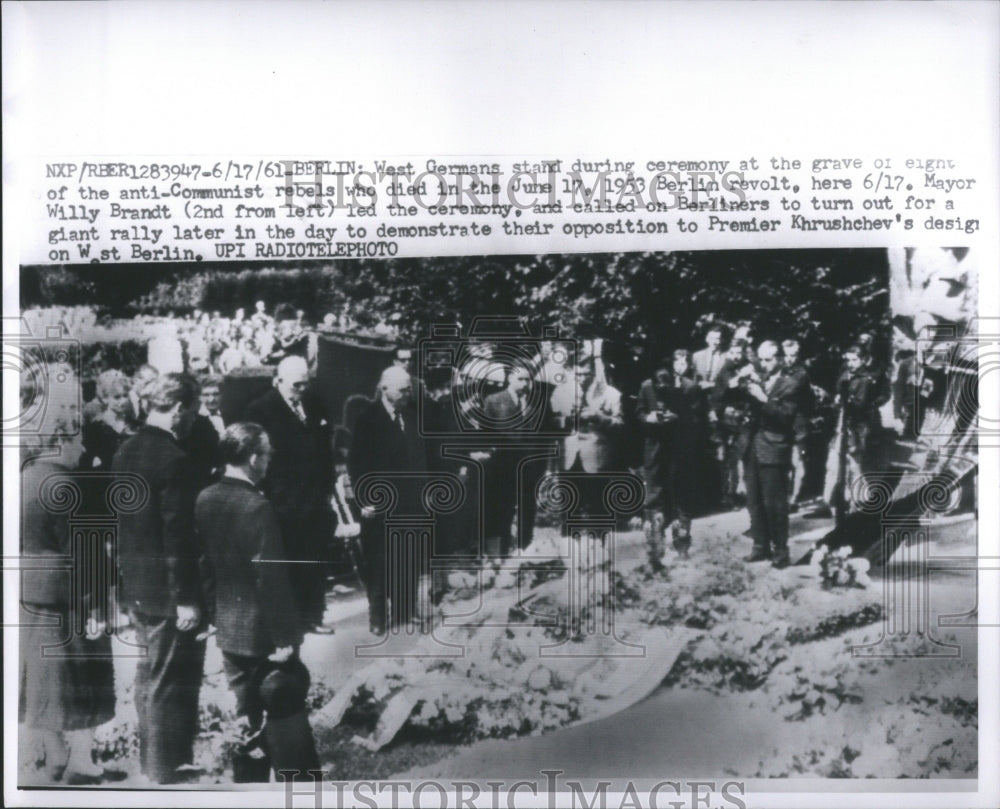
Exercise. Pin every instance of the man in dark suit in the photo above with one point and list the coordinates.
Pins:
(671, 408)
(386, 441)
(779, 398)
(201, 445)
(250, 599)
(512, 415)
(299, 481)
(160, 579)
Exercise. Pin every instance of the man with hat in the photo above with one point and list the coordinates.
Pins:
(251, 604)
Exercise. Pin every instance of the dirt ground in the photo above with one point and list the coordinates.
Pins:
(778, 677)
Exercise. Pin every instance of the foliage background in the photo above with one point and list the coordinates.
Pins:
(644, 303)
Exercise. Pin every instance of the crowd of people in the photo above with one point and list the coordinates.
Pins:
(233, 536)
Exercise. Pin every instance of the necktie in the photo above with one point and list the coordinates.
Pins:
(399, 421)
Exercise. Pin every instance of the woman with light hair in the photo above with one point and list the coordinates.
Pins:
(67, 674)
(103, 436)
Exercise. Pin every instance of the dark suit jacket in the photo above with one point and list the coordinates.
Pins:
(687, 401)
(775, 421)
(299, 479)
(249, 596)
(158, 554)
(378, 446)
(201, 445)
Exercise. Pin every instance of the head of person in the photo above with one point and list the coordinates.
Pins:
(246, 446)
(394, 386)
(240, 315)
(173, 401)
(112, 391)
(768, 357)
(329, 320)
(790, 348)
(260, 307)
(743, 332)
(143, 376)
(211, 393)
(403, 358)
(198, 356)
(681, 361)
(292, 379)
(713, 338)
(518, 380)
(737, 351)
(854, 358)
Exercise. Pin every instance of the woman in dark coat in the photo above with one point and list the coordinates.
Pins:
(66, 667)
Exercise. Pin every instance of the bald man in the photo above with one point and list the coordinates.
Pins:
(776, 398)
(385, 441)
(299, 481)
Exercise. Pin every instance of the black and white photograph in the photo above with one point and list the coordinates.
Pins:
(577, 403)
(450, 517)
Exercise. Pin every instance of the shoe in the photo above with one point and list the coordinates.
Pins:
(757, 556)
(322, 629)
(79, 779)
(781, 563)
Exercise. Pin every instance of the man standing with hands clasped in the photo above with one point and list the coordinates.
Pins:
(778, 398)
(251, 603)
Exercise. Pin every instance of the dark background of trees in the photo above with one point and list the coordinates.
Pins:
(645, 304)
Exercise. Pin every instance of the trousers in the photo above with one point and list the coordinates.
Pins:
(767, 501)
(167, 682)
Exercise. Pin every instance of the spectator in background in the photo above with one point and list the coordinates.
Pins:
(708, 362)
(594, 446)
(778, 397)
(210, 400)
(732, 410)
(159, 560)
(201, 445)
(511, 416)
(862, 392)
(144, 376)
(793, 366)
(670, 407)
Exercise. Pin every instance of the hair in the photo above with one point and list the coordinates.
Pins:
(769, 344)
(109, 382)
(790, 341)
(714, 327)
(168, 390)
(241, 440)
(211, 381)
(680, 353)
(146, 368)
(856, 348)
